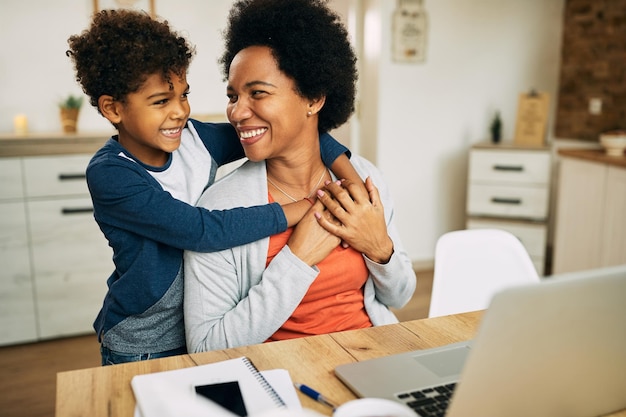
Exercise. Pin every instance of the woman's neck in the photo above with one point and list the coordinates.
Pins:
(295, 182)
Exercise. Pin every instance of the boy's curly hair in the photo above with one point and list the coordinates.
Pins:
(310, 45)
(121, 49)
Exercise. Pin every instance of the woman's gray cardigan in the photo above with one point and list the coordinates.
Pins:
(231, 299)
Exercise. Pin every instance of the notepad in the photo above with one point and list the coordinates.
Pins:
(180, 385)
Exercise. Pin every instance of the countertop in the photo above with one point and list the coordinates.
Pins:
(594, 155)
(510, 145)
(54, 143)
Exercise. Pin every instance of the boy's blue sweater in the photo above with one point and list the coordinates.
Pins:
(148, 216)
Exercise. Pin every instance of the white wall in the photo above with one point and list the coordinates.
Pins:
(481, 55)
(35, 73)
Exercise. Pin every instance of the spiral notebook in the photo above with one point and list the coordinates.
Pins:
(190, 384)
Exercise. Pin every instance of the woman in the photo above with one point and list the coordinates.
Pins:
(291, 75)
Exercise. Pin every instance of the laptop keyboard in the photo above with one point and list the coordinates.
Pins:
(429, 402)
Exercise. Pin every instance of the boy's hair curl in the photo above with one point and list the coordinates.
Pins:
(121, 48)
(310, 45)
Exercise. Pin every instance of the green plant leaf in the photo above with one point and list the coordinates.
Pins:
(71, 102)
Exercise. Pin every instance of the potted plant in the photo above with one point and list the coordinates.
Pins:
(70, 107)
(496, 128)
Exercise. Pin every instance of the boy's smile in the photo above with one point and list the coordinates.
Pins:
(151, 120)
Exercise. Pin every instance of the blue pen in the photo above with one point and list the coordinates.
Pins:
(310, 392)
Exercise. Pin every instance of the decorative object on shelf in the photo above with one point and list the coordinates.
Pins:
(20, 124)
(532, 118)
(409, 31)
(496, 128)
(145, 5)
(614, 142)
(70, 107)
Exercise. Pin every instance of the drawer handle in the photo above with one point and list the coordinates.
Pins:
(77, 210)
(500, 200)
(517, 168)
(72, 177)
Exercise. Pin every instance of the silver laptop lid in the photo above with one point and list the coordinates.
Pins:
(553, 349)
(556, 348)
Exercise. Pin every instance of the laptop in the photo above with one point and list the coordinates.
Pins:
(554, 348)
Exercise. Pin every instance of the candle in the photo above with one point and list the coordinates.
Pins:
(20, 124)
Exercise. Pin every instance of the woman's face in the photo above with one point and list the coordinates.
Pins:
(265, 108)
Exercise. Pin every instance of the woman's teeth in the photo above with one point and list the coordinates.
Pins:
(250, 133)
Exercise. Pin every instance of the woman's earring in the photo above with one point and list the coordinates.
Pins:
(309, 113)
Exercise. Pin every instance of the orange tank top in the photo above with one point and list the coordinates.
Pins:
(334, 301)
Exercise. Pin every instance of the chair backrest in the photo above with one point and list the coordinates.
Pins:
(472, 265)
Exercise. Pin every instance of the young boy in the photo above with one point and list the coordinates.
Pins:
(145, 180)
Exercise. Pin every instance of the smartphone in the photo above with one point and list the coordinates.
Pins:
(226, 394)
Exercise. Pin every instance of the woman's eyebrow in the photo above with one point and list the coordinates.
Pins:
(251, 84)
(254, 83)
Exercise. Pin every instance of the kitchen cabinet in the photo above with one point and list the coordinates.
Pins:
(509, 189)
(56, 259)
(590, 221)
(17, 306)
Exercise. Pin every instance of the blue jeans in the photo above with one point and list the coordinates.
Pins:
(111, 357)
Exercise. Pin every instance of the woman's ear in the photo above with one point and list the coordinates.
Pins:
(316, 105)
(110, 109)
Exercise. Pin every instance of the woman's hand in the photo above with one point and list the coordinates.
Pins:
(311, 242)
(361, 215)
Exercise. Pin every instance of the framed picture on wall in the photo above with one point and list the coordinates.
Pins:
(409, 31)
(145, 5)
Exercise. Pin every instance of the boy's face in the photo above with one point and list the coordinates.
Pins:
(152, 119)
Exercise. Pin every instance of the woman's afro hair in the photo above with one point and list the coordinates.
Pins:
(121, 48)
(310, 45)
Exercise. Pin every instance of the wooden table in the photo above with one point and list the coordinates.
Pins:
(106, 391)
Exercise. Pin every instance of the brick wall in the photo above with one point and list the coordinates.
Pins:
(593, 66)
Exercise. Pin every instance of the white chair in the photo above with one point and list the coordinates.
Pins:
(471, 265)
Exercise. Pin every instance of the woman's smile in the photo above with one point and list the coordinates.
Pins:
(251, 136)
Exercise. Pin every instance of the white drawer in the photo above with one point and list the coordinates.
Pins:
(508, 201)
(71, 262)
(532, 236)
(56, 175)
(11, 185)
(529, 167)
(64, 234)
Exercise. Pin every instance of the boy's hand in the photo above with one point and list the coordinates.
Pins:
(311, 242)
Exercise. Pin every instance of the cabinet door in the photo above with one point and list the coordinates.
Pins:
(614, 241)
(71, 262)
(56, 175)
(579, 216)
(11, 186)
(17, 309)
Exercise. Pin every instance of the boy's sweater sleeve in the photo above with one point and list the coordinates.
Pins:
(126, 198)
(331, 149)
(221, 140)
